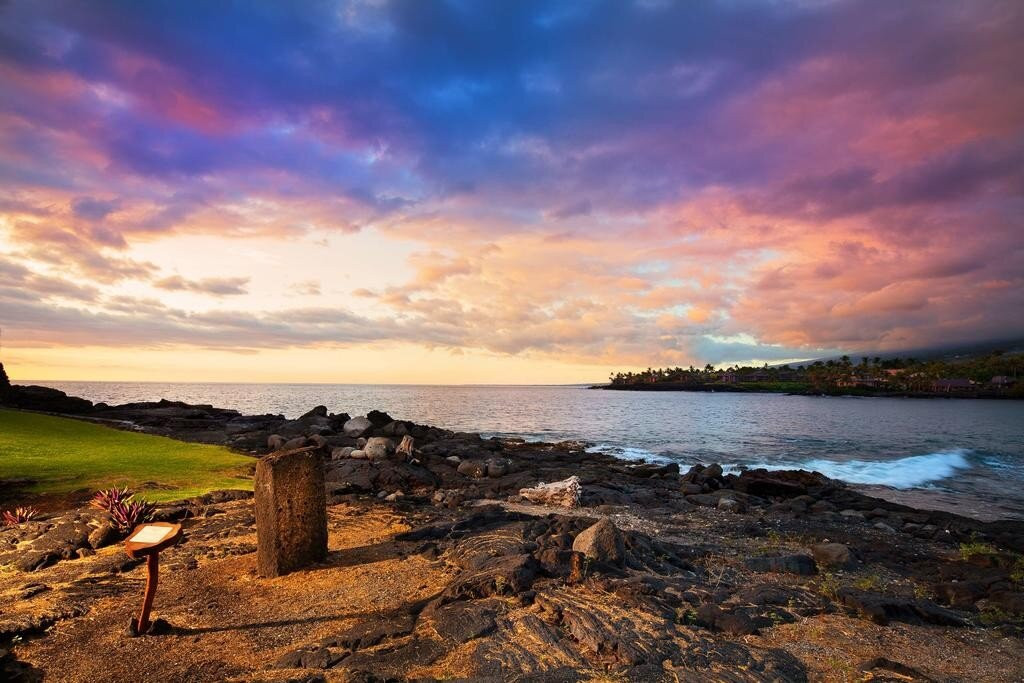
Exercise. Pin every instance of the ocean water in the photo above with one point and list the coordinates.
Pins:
(958, 454)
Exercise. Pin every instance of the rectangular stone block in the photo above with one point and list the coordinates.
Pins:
(291, 512)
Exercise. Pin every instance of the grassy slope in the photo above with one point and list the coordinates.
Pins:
(64, 455)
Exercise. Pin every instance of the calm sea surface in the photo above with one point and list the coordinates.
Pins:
(957, 454)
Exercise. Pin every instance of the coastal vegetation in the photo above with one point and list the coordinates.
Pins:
(995, 375)
(56, 456)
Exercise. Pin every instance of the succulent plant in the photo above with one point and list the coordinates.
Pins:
(19, 515)
(107, 499)
(128, 514)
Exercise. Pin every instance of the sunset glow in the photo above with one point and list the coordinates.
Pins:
(522, 192)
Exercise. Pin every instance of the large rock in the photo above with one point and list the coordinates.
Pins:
(356, 427)
(601, 542)
(472, 468)
(291, 512)
(834, 555)
(292, 444)
(378, 447)
(566, 493)
(319, 411)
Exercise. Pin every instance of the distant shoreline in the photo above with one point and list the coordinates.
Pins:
(739, 389)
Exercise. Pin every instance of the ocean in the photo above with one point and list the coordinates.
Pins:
(961, 455)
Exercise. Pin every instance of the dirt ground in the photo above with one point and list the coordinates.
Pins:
(228, 624)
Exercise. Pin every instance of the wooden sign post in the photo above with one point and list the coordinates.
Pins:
(147, 540)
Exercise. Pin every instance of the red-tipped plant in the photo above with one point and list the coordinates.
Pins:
(20, 515)
(108, 499)
(128, 514)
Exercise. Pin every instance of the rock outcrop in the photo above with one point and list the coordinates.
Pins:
(566, 493)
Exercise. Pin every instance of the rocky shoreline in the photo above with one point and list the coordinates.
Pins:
(618, 571)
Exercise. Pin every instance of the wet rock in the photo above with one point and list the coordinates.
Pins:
(763, 484)
(357, 426)
(785, 564)
(601, 542)
(565, 493)
(713, 471)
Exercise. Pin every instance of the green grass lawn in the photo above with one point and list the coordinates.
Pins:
(63, 456)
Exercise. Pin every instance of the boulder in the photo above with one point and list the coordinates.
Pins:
(731, 505)
(497, 467)
(275, 442)
(319, 411)
(832, 555)
(378, 418)
(378, 447)
(341, 453)
(713, 471)
(472, 468)
(601, 542)
(356, 427)
(292, 444)
(566, 493)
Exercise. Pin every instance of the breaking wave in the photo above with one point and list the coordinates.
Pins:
(903, 473)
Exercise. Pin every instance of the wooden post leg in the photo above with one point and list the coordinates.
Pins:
(152, 577)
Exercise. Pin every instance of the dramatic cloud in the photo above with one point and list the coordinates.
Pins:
(215, 286)
(616, 183)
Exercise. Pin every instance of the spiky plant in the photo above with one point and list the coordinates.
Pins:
(128, 514)
(19, 515)
(107, 499)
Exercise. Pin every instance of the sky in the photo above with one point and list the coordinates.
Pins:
(465, 191)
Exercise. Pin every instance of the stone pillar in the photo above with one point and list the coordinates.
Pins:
(291, 512)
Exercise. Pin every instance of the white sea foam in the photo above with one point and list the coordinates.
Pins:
(631, 453)
(902, 473)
